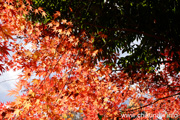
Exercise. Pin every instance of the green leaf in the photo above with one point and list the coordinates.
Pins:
(100, 116)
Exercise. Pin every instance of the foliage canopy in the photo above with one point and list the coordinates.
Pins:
(57, 59)
(116, 24)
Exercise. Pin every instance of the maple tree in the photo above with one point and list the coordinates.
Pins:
(59, 75)
(154, 23)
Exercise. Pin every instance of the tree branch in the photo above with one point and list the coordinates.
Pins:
(150, 103)
(130, 30)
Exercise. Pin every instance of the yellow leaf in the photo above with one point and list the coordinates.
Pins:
(37, 101)
(27, 105)
(44, 14)
(17, 112)
(22, 27)
(106, 99)
(64, 21)
(28, 53)
(71, 115)
(112, 99)
(35, 81)
(78, 62)
(80, 111)
(64, 116)
(31, 93)
(69, 108)
(36, 55)
(94, 69)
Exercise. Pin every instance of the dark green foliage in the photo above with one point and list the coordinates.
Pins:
(154, 22)
(100, 116)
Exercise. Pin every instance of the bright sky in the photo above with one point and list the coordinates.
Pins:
(7, 82)
(9, 78)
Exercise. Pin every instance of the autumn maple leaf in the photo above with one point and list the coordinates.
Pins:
(16, 90)
(65, 78)
(57, 14)
(5, 32)
(44, 14)
(1, 68)
(4, 50)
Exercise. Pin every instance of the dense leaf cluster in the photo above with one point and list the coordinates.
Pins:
(56, 56)
(154, 23)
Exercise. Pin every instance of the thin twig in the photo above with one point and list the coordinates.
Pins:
(150, 103)
(7, 80)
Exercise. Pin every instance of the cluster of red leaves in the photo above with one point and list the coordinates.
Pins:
(59, 75)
